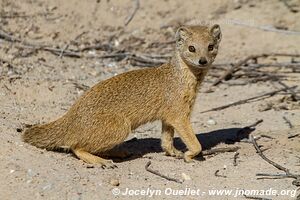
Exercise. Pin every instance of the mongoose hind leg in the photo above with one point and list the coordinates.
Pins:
(186, 133)
(167, 141)
(92, 159)
(100, 134)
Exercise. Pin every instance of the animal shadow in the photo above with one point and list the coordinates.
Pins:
(139, 147)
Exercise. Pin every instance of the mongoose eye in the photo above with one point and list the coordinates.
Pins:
(210, 47)
(192, 49)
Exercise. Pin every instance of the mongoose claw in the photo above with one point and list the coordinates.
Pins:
(109, 165)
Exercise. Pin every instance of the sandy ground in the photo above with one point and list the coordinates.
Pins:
(37, 87)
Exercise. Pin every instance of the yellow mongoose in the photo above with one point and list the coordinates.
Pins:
(104, 116)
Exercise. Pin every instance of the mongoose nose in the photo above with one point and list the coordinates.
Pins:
(203, 61)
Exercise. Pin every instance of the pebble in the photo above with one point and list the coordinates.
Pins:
(211, 122)
(92, 52)
(47, 187)
(114, 182)
(30, 172)
(186, 177)
(116, 43)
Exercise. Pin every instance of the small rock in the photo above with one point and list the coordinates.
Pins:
(92, 52)
(186, 177)
(19, 130)
(114, 182)
(116, 43)
(211, 122)
(47, 187)
(30, 173)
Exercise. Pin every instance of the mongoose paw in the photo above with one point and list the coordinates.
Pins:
(178, 154)
(109, 164)
(174, 153)
(187, 158)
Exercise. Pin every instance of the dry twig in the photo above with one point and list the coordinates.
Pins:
(288, 122)
(257, 198)
(130, 17)
(81, 86)
(266, 136)
(288, 174)
(295, 96)
(272, 176)
(8, 37)
(218, 175)
(23, 15)
(236, 67)
(219, 150)
(159, 174)
(145, 59)
(260, 97)
(258, 150)
(235, 157)
(293, 136)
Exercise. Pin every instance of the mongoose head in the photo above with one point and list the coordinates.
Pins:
(198, 45)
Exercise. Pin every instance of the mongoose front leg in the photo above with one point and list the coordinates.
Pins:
(186, 133)
(92, 159)
(167, 141)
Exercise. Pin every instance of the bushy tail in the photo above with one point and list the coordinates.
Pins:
(48, 136)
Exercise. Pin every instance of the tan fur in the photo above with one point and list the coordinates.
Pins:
(105, 115)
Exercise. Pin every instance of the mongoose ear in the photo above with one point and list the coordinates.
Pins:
(182, 34)
(216, 32)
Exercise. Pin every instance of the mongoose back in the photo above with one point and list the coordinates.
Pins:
(104, 116)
